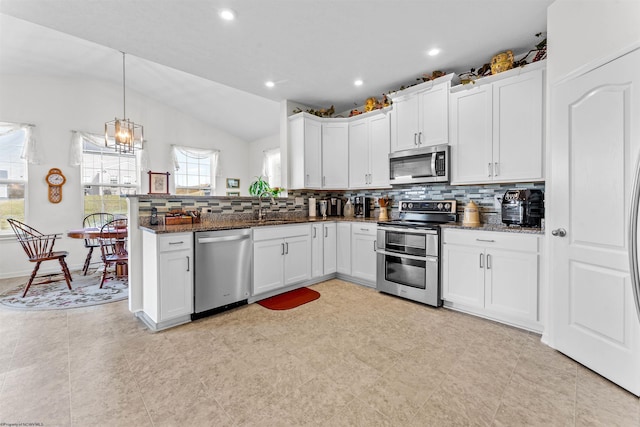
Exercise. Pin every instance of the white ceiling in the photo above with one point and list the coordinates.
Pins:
(180, 53)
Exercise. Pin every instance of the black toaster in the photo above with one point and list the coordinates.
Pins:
(523, 207)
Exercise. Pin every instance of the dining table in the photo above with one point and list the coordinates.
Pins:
(118, 234)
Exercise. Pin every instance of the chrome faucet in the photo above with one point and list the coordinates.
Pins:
(261, 212)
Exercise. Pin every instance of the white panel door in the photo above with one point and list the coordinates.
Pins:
(434, 116)
(297, 259)
(407, 123)
(471, 136)
(379, 146)
(176, 284)
(268, 265)
(343, 248)
(595, 130)
(335, 155)
(329, 248)
(517, 128)
(511, 284)
(358, 153)
(312, 154)
(463, 275)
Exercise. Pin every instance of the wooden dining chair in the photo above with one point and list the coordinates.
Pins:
(39, 248)
(94, 220)
(113, 249)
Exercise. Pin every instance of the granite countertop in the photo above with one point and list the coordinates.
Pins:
(496, 227)
(236, 224)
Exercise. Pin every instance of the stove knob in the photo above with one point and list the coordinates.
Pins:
(447, 206)
(439, 206)
(410, 205)
(404, 206)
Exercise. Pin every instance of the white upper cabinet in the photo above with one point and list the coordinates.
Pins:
(335, 155)
(421, 115)
(369, 152)
(497, 128)
(305, 133)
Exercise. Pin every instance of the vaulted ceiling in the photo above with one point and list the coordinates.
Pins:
(180, 52)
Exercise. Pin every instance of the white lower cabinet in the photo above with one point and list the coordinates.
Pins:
(281, 257)
(167, 279)
(363, 252)
(492, 274)
(323, 249)
(343, 248)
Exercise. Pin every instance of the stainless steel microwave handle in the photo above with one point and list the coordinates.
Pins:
(417, 258)
(433, 164)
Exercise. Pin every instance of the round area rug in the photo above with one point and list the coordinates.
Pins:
(56, 295)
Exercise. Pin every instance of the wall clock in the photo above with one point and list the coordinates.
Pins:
(55, 179)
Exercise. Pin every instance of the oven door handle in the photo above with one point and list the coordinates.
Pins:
(407, 230)
(417, 258)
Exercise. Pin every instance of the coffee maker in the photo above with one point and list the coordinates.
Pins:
(334, 206)
(362, 207)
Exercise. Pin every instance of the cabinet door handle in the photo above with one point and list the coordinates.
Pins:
(375, 246)
(307, 180)
(314, 232)
(176, 243)
(481, 260)
(282, 244)
(488, 261)
(415, 139)
(485, 240)
(326, 232)
(489, 170)
(419, 138)
(496, 168)
(286, 245)
(364, 229)
(188, 264)
(324, 180)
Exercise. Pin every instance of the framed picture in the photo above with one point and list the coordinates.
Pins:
(233, 193)
(158, 182)
(233, 183)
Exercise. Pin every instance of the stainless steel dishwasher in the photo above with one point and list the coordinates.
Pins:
(222, 270)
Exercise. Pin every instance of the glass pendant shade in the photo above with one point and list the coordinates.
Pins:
(122, 134)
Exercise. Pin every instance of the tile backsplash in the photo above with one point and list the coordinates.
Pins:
(247, 207)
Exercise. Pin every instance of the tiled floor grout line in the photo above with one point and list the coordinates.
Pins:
(135, 378)
(495, 413)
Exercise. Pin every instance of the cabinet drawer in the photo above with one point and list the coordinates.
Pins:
(280, 232)
(364, 228)
(175, 242)
(488, 239)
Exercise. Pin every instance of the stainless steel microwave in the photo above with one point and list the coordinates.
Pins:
(419, 165)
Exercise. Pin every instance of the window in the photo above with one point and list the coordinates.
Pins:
(106, 176)
(13, 174)
(271, 167)
(195, 170)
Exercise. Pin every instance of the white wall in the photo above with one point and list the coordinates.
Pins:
(256, 155)
(56, 106)
(582, 31)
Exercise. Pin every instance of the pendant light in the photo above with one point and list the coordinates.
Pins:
(123, 134)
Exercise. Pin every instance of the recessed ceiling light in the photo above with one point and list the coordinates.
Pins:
(227, 14)
(433, 52)
(269, 84)
(358, 82)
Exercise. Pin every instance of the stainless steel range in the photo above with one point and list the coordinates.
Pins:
(408, 260)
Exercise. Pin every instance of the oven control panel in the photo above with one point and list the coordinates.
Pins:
(431, 206)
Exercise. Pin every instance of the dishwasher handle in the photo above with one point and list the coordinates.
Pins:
(222, 239)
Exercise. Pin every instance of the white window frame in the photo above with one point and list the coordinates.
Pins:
(27, 155)
(129, 188)
(197, 155)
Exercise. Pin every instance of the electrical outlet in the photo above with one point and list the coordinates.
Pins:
(497, 202)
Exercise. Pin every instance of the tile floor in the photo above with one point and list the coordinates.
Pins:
(354, 357)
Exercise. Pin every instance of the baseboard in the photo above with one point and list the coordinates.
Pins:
(155, 327)
(528, 326)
